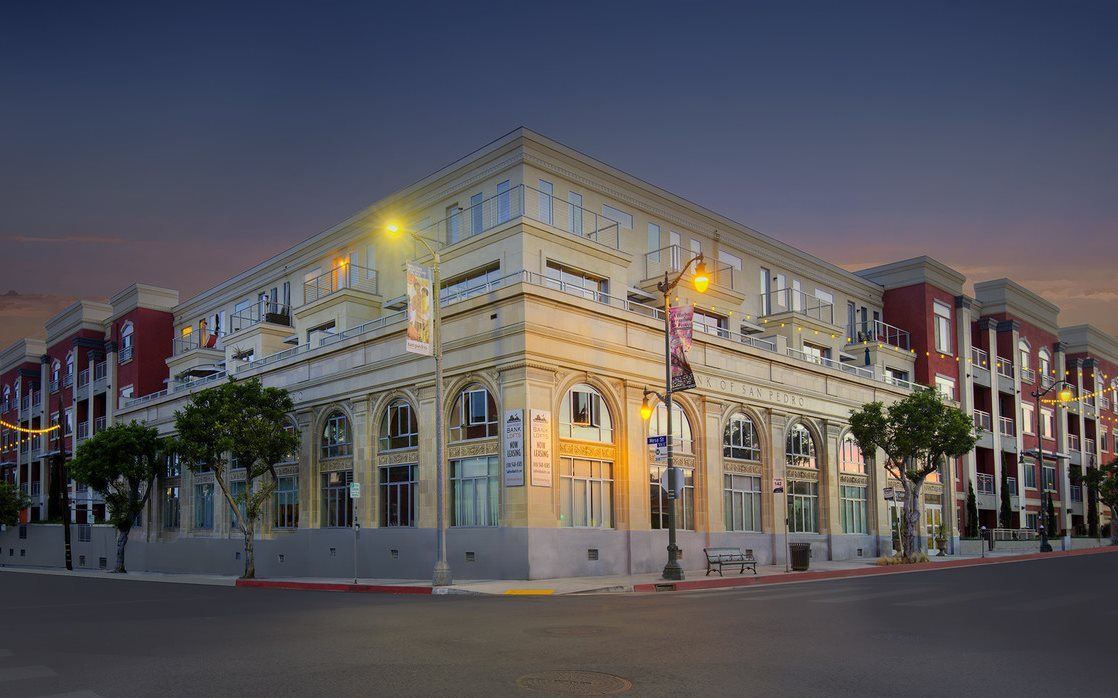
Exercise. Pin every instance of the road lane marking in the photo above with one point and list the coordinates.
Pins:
(953, 598)
(19, 673)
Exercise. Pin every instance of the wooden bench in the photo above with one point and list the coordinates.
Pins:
(734, 557)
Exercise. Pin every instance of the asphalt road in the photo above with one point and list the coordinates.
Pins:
(1029, 628)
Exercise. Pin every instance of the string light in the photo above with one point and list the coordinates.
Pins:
(25, 430)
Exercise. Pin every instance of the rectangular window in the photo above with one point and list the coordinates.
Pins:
(574, 212)
(471, 283)
(797, 295)
(547, 189)
(696, 247)
(653, 242)
(625, 220)
(204, 506)
(286, 514)
(816, 353)
(397, 495)
(781, 291)
(1046, 425)
(170, 508)
(1028, 418)
(803, 507)
(851, 322)
(1030, 474)
(825, 296)
(504, 202)
(337, 507)
(1031, 522)
(1049, 478)
(766, 291)
(731, 260)
(942, 328)
(586, 493)
(712, 324)
(453, 224)
(685, 514)
(742, 502)
(946, 387)
(853, 509)
(474, 488)
(477, 214)
(576, 282)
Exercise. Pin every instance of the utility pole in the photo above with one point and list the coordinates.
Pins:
(64, 484)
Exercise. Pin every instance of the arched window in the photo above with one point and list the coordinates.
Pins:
(55, 371)
(474, 415)
(799, 449)
(1044, 364)
(70, 359)
(336, 441)
(584, 415)
(851, 459)
(1024, 355)
(398, 426)
(683, 444)
(126, 331)
(739, 439)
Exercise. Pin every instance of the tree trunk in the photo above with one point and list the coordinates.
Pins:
(250, 562)
(911, 522)
(121, 541)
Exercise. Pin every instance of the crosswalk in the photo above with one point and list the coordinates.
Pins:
(18, 678)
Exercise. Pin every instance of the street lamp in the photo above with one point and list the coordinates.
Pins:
(441, 575)
(701, 280)
(1063, 396)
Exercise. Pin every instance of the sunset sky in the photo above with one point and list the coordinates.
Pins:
(180, 146)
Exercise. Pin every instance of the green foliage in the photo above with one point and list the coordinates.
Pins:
(12, 499)
(1051, 516)
(1104, 481)
(120, 463)
(972, 512)
(1006, 511)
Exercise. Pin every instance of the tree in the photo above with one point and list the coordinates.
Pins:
(916, 434)
(972, 512)
(241, 424)
(1092, 506)
(1051, 516)
(120, 463)
(1005, 515)
(12, 500)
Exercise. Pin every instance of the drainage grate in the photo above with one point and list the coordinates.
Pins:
(591, 553)
(665, 587)
(574, 683)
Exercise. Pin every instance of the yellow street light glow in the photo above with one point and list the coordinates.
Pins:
(646, 409)
(702, 278)
(392, 229)
(1065, 395)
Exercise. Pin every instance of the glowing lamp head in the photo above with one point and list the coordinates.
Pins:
(646, 409)
(702, 277)
(392, 229)
(1065, 395)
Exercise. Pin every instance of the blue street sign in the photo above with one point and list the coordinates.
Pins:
(660, 441)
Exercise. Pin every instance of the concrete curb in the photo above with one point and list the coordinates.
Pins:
(335, 586)
(793, 577)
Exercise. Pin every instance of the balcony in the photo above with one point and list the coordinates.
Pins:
(1073, 442)
(54, 385)
(100, 377)
(980, 366)
(1007, 427)
(345, 276)
(125, 355)
(982, 420)
(36, 399)
(99, 425)
(83, 431)
(1028, 375)
(1076, 493)
(83, 378)
(671, 259)
(985, 484)
(271, 313)
(879, 332)
(67, 380)
(790, 301)
(1005, 368)
(1088, 445)
(1104, 402)
(188, 343)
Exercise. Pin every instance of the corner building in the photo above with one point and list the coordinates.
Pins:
(549, 263)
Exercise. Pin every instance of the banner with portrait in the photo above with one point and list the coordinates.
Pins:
(680, 328)
(420, 309)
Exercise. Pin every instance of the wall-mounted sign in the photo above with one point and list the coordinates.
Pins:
(512, 440)
(541, 448)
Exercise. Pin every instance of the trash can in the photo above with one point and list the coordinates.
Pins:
(800, 556)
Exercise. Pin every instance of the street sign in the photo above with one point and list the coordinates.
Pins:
(658, 441)
(778, 485)
(673, 492)
(355, 490)
(888, 492)
(661, 454)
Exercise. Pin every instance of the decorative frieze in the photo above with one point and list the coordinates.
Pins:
(333, 465)
(206, 478)
(286, 470)
(474, 449)
(741, 467)
(399, 457)
(805, 474)
(582, 449)
(853, 479)
(933, 488)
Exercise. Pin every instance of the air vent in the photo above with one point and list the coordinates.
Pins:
(281, 557)
(394, 553)
(859, 552)
(102, 562)
(237, 555)
(470, 557)
(333, 552)
(81, 560)
(23, 532)
(591, 553)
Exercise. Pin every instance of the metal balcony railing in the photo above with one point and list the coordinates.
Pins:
(1073, 442)
(54, 386)
(1089, 445)
(36, 488)
(125, 355)
(343, 276)
(25, 402)
(100, 371)
(195, 340)
(982, 420)
(1005, 367)
(1015, 534)
(272, 313)
(1076, 493)
(985, 483)
(790, 300)
(5, 406)
(99, 425)
(83, 431)
(1104, 402)
(671, 259)
(980, 358)
(36, 399)
(1089, 399)
(880, 332)
(83, 378)
(1028, 375)
(68, 380)
(1007, 427)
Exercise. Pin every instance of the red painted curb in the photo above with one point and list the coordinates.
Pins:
(333, 586)
(722, 583)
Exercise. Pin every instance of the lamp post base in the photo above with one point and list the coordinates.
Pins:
(1045, 547)
(442, 576)
(673, 571)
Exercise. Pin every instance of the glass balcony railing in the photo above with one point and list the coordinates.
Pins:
(980, 358)
(880, 332)
(196, 340)
(985, 483)
(341, 277)
(671, 259)
(786, 300)
(982, 420)
(272, 313)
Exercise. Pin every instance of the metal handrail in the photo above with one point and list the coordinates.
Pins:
(672, 259)
(1005, 367)
(274, 313)
(982, 420)
(1028, 375)
(880, 332)
(793, 301)
(985, 483)
(341, 277)
(1007, 426)
(980, 358)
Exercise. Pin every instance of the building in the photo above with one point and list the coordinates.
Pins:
(549, 264)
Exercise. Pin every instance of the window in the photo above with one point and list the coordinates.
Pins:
(742, 505)
(711, 324)
(398, 427)
(504, 203)
(1023, 357)
(942, 327)
(895, 375)
(825, 297)
(471, 283)
(1049, 478)
(584, 416)
(851, 322)
(574, 212)
(397, 495)
(474, 488)
(696, 247)
(1032, 522)
(337, 507)
(799, 448)
(575, 282)
(474, 415)
(851, 459)
(126, 336)
(204, 506)
(803, 507)
(169, 505)
(1044, 363)
(781, 290)
(1046, 425)
(55, 377)
(739, 439)
(946, 387)
(817, 354)
(286, 500)
(797, 295)
(853, 509)
(547, 189)
(625, 220)
(70, 359)
(766, 291)
(335, 436)
(731, 260)
(477, 213)
(586, 493)
(1030, 474)
(453, 224)
(653, 242)
(1028, 418)
(681, 427)
(682, 443)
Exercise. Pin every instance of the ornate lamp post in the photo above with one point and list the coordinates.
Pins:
(1064, 396)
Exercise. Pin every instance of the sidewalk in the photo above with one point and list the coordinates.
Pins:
(639, 583)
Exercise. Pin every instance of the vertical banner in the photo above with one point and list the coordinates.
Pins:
(680, 325)
(420, 299)
(541, 448)
(513, 442)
